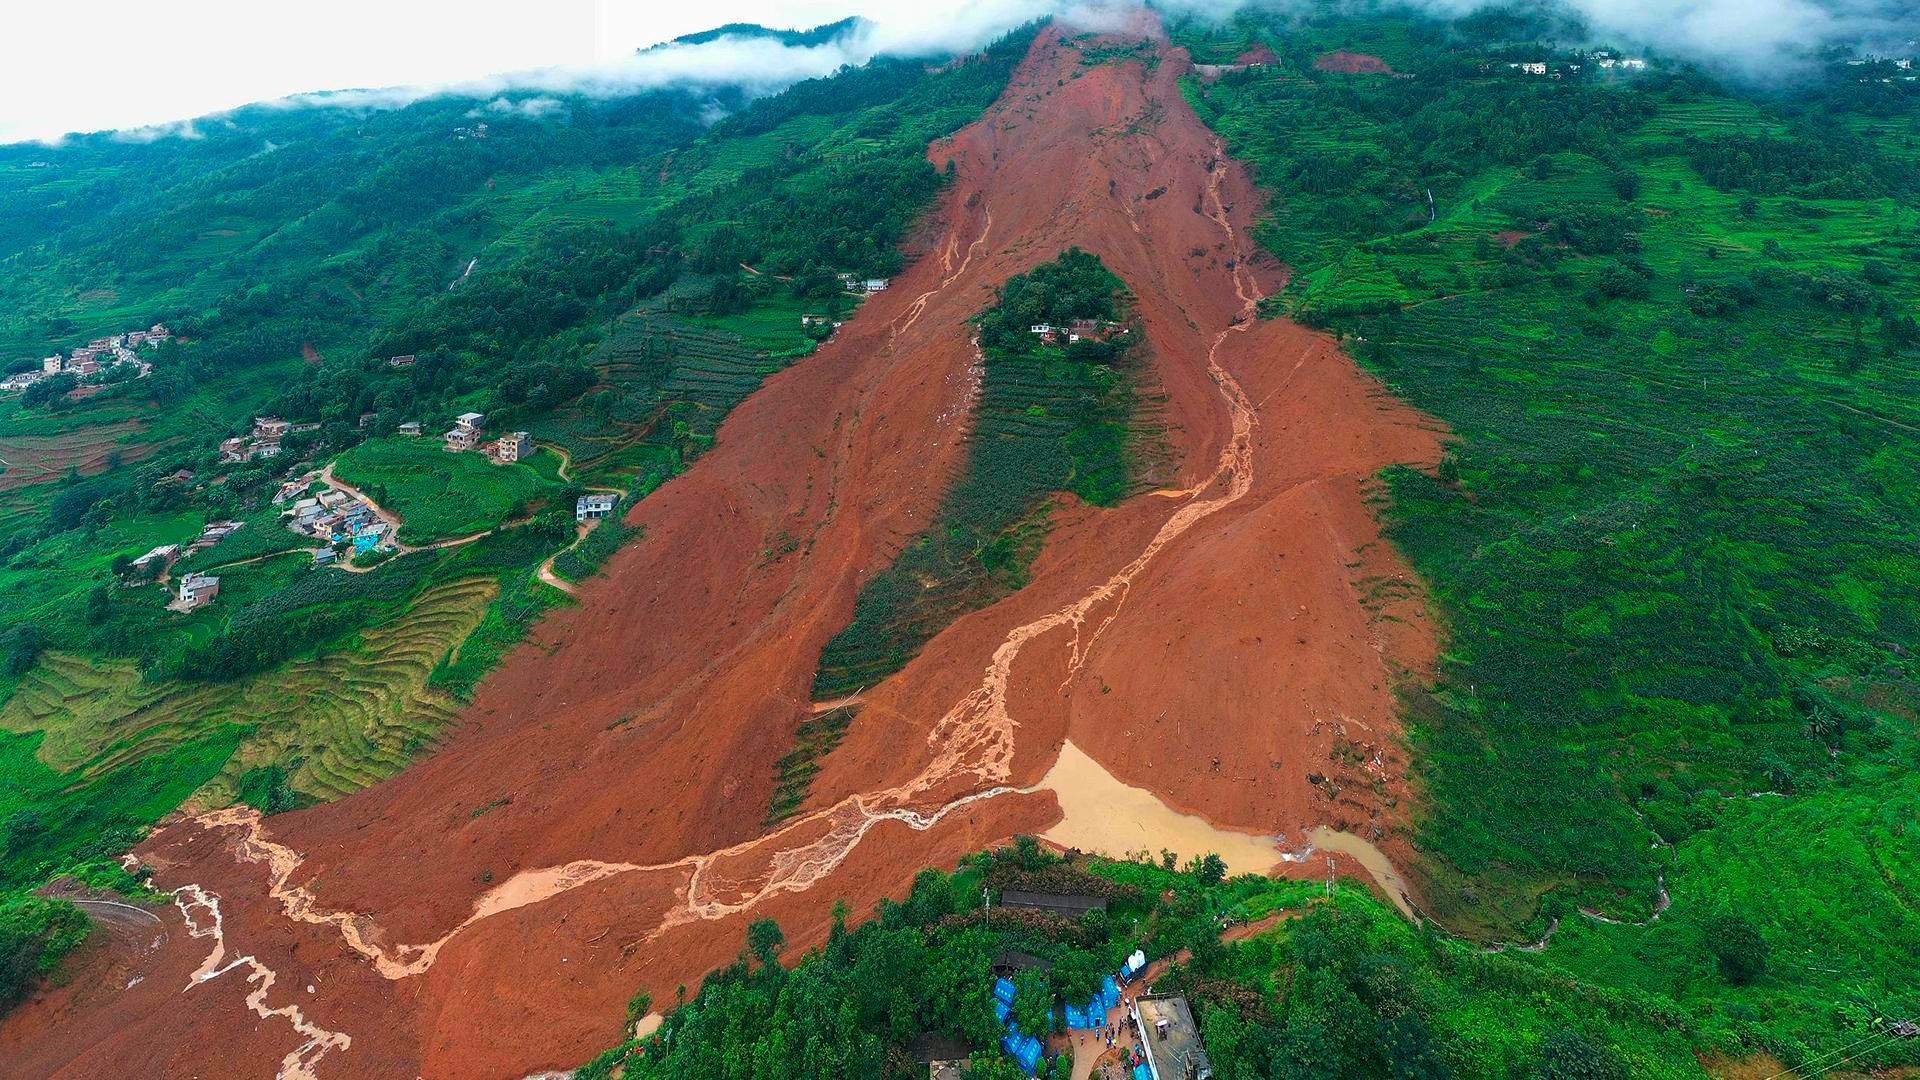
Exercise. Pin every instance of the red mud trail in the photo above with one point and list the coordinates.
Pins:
(1352, 63)
(595, 824)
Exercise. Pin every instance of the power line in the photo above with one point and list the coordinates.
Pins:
(1884, 1037)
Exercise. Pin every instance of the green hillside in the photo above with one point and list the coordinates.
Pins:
(1671, 324)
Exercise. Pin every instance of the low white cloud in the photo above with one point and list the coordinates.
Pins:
(216, 54)
(533, 108)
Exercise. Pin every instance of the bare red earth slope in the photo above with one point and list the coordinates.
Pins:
(595, 824)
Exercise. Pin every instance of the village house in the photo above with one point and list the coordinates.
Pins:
(51, 365)
(197, 591)
(1169, 1038)
(1071, 905)
(875, 284)
(512, 447)
(366, 420)
(216, 531)
(465, 434)
(325, 556)
(594, 506)
(1096, 329)
(233, 450)
(813, 320)
(158, 558)
(265, 448)
(1535, 67)
(411, 429)
(269, 427)
(400, 361)
(21, 381)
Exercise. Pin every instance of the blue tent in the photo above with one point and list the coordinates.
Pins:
(1109, 995)
(1003, 989)
(1141, 1072)
(1024, 1049)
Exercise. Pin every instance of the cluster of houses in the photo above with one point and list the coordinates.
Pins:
(195, 590)
(1899, 63)
(466, 435)
(1078, 330)
(335, 517)
(263, 441)
(1603, 59)
(95, 357)
(864, 285)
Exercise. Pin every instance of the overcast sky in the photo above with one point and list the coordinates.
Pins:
(87, 65)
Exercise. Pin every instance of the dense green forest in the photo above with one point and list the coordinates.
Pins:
(1333, 983)
(1670, 323)
(612, 274)
(1053, 415)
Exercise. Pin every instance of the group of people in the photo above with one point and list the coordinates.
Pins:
(1124, 1035)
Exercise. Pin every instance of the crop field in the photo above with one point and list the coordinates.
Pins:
(1048, 420)
(335, 724)
(666, 383)
(793, 774)
(45, 584)
(31, 459)
(439, 494)
(1671, 543)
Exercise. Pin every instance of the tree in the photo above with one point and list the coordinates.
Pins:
(1569, 1055)
(1209, 868)
(1737, 944)
(764, 940)
(99, 604)
(19, 648)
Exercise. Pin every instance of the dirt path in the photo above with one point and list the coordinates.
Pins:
(546, 574)
(565, 469)
(594, 823)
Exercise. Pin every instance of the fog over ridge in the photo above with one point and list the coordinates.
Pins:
(1751, 39)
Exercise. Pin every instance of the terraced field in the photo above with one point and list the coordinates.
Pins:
(336, 724)
(33, 459)
(666, 384)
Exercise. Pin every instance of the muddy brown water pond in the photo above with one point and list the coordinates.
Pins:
(1102, 814)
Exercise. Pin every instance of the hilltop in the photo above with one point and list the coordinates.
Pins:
(823, 34)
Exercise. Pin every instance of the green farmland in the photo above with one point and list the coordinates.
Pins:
(439, 494)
